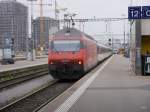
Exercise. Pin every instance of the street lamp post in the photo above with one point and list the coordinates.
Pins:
(33, 46)
(32, 38)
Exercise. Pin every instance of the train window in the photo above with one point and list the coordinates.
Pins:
(66, 45)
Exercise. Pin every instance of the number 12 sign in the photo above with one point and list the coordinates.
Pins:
(134, 12)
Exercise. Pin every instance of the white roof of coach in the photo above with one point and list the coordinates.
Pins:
(104, 46)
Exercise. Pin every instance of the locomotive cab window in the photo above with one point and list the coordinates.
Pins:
(66, 45)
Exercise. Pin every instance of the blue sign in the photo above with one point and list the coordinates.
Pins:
(146, 12)
(134, 12)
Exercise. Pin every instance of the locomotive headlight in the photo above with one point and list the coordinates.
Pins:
(80, 62)
(51, 62)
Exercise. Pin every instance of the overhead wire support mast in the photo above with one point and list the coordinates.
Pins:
(33, 41)
(56, 11)
(41, 25)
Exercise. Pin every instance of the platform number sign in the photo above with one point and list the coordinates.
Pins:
(134, 12)
(139, 12)
(146, 12)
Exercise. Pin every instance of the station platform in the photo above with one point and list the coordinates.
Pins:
(112, 87)
(23, 64)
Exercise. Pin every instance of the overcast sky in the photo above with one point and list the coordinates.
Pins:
(91, 8)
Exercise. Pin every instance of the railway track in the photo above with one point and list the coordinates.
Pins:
(36, 100)
(10, 78)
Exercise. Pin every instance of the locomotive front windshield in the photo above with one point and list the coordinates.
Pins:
(66, 45)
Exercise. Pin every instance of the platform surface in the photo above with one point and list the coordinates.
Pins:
(116, 89)
(110, 87)
(113, 88)
(23, 64)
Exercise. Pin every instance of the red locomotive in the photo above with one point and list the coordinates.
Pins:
(71, 54)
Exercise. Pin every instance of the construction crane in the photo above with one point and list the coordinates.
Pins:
(42, 40)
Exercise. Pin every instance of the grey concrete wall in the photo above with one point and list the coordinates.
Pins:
(145, 26)
(138, 47)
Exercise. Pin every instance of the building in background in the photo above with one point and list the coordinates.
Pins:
(50, 26)
(14, 22)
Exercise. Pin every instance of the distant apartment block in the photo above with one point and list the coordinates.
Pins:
(14, 23)
(48, 27)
